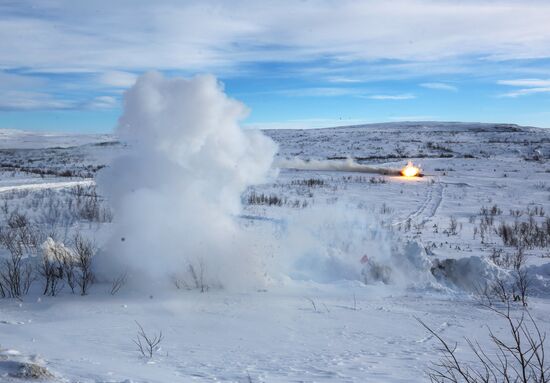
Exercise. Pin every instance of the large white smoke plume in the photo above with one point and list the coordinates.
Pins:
(176, 194)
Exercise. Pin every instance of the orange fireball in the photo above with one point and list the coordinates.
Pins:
(410, 170)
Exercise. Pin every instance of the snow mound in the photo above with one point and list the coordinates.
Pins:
(540, 279)
(407, 266)
(469, 274)
(15, 367)
(333, 244)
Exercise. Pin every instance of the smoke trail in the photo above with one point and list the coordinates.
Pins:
(340, 166)
(175, 194)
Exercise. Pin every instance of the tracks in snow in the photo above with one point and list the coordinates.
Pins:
(428, 207)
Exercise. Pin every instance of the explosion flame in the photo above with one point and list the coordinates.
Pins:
(410, 170)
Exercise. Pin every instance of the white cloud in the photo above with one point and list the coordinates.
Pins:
(103, 102)
(342, 79)
(26, 100)
(118, 79)
(526, 82)
(210, 35)
(11, 81)
(392, 97)
(338, 42)
(526, 91)
(321, 92)
(529, 86)
(439, 86)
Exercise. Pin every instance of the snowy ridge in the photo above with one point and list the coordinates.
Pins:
(20, 139)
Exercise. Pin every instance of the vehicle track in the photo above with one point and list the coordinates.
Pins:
(429, 205)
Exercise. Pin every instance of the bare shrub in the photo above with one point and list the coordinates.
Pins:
(20, 238)
(522, 285)
(264, 199)
(59, 264)
(16, 275)
(147, 345)
(89, 205)
(84, 252)
(198, 275)
(311, 182)
(516, 213)
(118, 283)
(400, 151)
(496, 289)
(52, 273)
(501, 258)
(21, 232)
(385, 209)
(5, 207)
(180, 283)
(453, 226)
(529, 234)
(194, 277)
(522, 359)
(70, 266)
(488, 214)
(516, 289)
(313, 305)
(377, 180)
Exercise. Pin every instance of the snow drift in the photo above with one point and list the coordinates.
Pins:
(469, 274)
(176, 193)
(330, 244)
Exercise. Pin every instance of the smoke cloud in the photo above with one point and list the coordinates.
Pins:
(334, 243)
(348, 165)
(177, 192)
(176, 195)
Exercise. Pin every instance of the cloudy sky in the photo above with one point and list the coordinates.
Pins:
(64, 65)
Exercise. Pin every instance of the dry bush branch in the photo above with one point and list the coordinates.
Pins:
(521, 359)
(147, 345)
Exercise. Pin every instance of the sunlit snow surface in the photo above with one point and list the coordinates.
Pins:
(316, 322)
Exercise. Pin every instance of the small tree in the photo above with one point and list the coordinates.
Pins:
(52, 273)
(84, 252)
(453, 225)
(57, 263)
(16, 273)
(522, 285)
(522, 281)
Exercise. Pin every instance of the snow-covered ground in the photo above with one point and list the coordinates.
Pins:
(325, 314)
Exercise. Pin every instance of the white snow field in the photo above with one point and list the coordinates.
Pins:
(341, 266)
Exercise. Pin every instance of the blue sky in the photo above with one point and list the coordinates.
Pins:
(64, 65)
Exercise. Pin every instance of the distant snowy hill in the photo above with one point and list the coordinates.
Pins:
(20, 139)
(400, 140)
